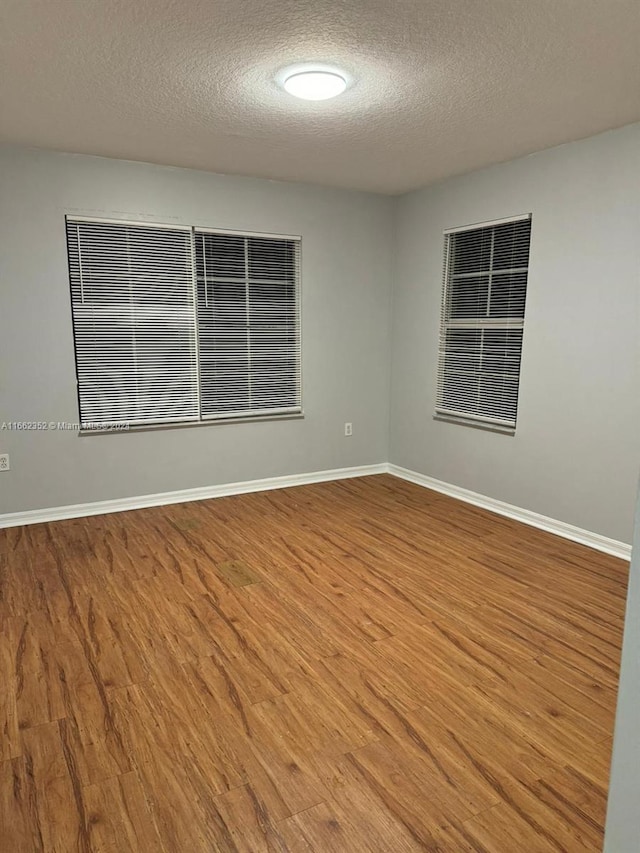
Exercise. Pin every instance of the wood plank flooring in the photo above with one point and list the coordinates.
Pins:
(354, 666)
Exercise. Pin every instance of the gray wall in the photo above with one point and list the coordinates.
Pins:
(576, 451)
(346, 276)
(622, 834)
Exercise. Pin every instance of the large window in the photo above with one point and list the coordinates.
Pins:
(181, 325)
(482, 322)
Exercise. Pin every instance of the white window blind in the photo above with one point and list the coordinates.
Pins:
(248, 324)
(482, 321)
(178, 325)
(134, 323)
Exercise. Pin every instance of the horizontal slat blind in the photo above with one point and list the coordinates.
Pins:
(132, 294)
(248, 324)
(482, 319)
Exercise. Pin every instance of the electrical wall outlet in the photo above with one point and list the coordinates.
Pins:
(4, 462)
(348, 429)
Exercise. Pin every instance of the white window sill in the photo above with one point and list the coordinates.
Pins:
(192, 424)
(476, 424)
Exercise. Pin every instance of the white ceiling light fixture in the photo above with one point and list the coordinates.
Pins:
(315, 84)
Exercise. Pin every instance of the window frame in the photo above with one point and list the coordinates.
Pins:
(231, 418)
(441, 413)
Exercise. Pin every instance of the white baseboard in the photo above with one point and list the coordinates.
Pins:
(38, 516)
(534, 519)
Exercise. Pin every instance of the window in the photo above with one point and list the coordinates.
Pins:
(482, 320)
(247, 324)
(183, 325)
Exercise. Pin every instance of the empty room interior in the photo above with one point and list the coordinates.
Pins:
(319, 426)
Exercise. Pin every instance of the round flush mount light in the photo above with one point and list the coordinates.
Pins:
(315, 84)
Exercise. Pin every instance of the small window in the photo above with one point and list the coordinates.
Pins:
(181, 325)
(482, 322)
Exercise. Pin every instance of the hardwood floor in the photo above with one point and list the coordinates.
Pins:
(354, 666)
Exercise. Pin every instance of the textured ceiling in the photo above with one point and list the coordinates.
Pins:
(439, 86)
